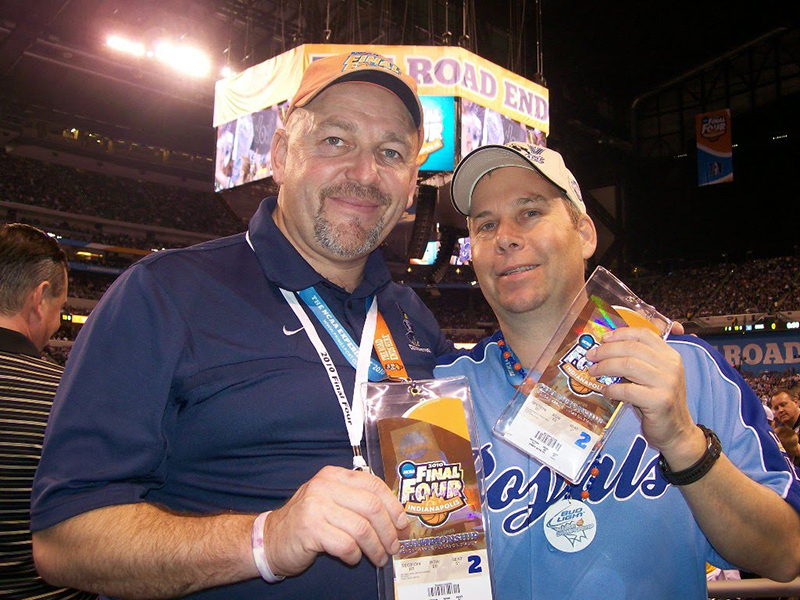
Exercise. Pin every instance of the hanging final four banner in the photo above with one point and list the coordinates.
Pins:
(714, 147)
(438, 71)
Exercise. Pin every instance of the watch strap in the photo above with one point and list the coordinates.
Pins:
(698, 469)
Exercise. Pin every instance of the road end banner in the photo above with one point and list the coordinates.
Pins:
(758, 352)
(438, 71)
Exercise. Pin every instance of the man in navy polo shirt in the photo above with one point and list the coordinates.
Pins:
(216, 382)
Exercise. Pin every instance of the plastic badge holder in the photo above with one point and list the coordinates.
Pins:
(422, 441)
(558, 416)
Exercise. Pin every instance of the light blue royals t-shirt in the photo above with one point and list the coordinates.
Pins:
(647, 543)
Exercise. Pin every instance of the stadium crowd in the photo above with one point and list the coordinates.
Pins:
(765, 384)
(88, 285)
(76, 232)
(680, 293)
(753, 286)
(56, 354)
(758, 286)
(65, 189)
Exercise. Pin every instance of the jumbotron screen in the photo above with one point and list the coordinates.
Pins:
(243, 145)
(481, 126)
(243, 148)
(461, 255)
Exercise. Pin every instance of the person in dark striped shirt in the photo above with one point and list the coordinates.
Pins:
(33, 289)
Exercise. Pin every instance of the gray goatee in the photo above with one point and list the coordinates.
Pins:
(349, 239)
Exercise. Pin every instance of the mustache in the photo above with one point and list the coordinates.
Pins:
(363, 192)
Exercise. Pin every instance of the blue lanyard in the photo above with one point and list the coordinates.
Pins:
(511, 365)
(338, 333)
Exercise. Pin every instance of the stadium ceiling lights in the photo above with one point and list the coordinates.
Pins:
(184, 59)
(180, 57)
(129, 47)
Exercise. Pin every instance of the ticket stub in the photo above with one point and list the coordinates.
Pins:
(549, 436)
(427, 459)
(443, 577)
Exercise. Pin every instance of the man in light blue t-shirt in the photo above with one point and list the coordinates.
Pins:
(530, 236)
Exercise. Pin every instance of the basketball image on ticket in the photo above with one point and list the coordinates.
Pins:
(560, 416)
(427, 459)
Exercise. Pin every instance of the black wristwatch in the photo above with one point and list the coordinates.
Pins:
(698, 469)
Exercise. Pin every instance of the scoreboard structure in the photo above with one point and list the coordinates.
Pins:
(467, 102)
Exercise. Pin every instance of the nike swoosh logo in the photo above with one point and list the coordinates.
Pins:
(287, 332)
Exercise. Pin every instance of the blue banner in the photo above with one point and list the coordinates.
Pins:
(757, 352)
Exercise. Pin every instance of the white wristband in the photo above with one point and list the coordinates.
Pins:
(259, 556)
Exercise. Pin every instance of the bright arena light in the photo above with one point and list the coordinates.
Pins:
(227, 71)
(130, 47)
(185, 59)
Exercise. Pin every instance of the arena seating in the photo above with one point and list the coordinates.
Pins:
(76, 232)
(753, 286)
(66, 189)
(88, 285)
(766, 384)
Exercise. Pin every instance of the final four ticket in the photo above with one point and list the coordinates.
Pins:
(562, 419)
(427, 459)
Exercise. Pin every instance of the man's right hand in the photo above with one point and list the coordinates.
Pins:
(340, 512)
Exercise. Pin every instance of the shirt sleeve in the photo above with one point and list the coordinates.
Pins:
(109, 431)
(721, 399)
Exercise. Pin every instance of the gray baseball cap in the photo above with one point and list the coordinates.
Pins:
(548, 163)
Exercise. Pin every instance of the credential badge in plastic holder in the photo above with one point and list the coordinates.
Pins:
(559, 416)
(422, 441)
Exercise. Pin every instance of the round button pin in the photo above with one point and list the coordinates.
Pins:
(569, 525)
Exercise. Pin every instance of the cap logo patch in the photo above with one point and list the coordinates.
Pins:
(536, 154)
(574, 185)
(532, 153)
(358, 60)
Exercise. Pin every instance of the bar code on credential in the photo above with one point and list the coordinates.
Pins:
(548, 440)
(443, 589)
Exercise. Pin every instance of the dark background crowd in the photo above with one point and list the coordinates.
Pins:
(116, 198)
(724, 288)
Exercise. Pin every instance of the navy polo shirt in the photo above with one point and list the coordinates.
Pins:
(192, 386)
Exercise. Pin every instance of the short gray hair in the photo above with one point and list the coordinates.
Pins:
(28, 256)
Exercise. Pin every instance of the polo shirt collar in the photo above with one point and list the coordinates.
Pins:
(14, 342)
(285, 267)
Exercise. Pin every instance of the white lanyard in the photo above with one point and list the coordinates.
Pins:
(353, 413)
